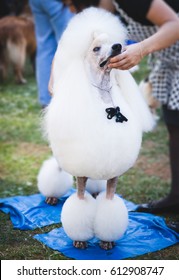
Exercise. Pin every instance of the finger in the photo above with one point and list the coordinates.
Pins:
(118, 63)
(118, 58)
(123, 66)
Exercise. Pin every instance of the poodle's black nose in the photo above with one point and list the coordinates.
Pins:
(116, 49)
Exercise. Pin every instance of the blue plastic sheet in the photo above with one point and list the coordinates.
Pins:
(146, 233)
(31, 212)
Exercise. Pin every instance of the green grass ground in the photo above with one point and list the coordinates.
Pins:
(22, 151)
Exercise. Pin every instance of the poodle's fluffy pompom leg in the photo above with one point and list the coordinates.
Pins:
(78, 218)
(111, 220)
(52, 181)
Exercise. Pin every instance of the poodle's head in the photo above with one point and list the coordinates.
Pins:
(94, 31)
(101, 50)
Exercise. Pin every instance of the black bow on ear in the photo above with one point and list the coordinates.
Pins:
(111, 112)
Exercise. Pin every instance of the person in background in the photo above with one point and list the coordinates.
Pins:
(154, 24)
(156, 28)
(51, 18)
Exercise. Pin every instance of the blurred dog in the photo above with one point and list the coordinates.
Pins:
(146, 89)
(17, 41)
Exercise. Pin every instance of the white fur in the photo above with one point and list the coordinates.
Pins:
(52, 181)
(79, 34)
(78, 217)
(83, 140)
(95, 186)
(111, 219)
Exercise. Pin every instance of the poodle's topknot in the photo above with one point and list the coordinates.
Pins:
(80, 30)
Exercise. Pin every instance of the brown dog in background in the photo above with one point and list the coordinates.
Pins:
(17, 41)
(146, 90)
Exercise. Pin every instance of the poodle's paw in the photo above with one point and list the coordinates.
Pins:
(111, 219)
(80, 244)
(51, 200)
(106, 245)
(77, 218)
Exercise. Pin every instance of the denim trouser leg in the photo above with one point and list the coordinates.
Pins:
(51, 18)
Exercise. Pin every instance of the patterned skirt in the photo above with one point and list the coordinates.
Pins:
(164, 64)
(164, 76)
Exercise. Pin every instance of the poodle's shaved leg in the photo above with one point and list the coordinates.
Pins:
(81, 184)
(111, 189)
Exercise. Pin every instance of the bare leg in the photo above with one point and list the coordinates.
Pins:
(111, 189)
(81, 183)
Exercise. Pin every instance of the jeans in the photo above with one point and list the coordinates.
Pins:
(51, 18)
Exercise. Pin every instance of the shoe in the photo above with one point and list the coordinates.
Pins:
(155, 208)
(174, 226)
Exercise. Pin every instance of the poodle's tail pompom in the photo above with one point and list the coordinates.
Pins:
(78, 217)
(52, 181)
(111, 218)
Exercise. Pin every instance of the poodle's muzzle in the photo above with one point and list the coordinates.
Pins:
(116, 49)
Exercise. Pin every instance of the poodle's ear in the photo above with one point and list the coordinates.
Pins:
(134, 98)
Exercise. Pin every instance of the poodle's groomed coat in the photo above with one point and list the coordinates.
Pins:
(94, 123)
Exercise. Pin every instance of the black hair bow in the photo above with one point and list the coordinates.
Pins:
(111, 112)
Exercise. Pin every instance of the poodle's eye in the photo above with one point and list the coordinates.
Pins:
(96, 49)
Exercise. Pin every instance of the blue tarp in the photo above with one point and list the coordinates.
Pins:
(145, 233)
(31, 212)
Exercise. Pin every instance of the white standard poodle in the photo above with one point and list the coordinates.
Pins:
(94, 124)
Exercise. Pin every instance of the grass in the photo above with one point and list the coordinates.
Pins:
(22, 151)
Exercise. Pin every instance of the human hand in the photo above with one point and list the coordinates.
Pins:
(130, 57)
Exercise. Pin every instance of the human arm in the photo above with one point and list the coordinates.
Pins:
(166, 19)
